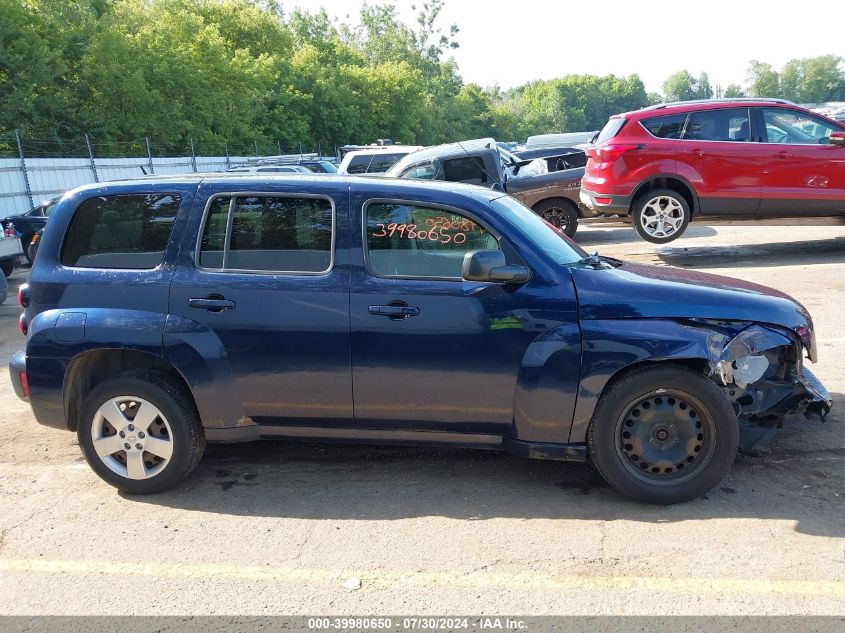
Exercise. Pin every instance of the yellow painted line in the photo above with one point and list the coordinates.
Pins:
(818, 588)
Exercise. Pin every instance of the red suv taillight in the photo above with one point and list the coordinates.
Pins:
(10, 231)
(23, 296)
(610, 152)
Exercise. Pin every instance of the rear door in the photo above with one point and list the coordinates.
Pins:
(804, 173)
(718, 146)
(264, 291)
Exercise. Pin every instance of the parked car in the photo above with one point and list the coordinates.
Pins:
(32, 249)
(553, 196)
(745, 158)
(27, 224)
(10, 250)
(4, 288)
(163, 313)
(376, 160)
(270, 169)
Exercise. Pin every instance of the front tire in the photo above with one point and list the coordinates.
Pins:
(140, 432)
(661, 216)
(560, 213)
(663, 434)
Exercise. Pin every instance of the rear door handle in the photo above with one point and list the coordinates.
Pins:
(781, 155)
(394, 311)
(212, 303)
(698, 153)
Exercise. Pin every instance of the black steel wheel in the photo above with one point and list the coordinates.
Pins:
(560, 213)
(663, 433)
(666, 437)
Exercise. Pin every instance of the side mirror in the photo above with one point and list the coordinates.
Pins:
(837, 138)
(492, 266)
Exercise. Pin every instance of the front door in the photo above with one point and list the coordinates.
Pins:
(717, 146)
(431, 352)
(265, 293)
(804, 172)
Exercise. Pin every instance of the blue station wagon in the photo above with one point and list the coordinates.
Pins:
(164, 313)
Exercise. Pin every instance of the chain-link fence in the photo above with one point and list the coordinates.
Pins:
(33, 170)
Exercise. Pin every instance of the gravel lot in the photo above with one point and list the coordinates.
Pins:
(274, 528)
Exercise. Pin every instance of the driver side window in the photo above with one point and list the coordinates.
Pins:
(795, 128)
(407, 240)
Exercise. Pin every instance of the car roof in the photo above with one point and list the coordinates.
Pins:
(704, 104)
(387, 149)
(334, 183)
(460, 148)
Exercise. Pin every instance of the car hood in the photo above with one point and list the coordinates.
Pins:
(634, 291)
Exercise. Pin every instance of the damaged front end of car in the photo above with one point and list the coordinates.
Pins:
(761, 368)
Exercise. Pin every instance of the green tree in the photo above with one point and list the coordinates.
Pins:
(762, 80)
(681, 86)
(734, 91)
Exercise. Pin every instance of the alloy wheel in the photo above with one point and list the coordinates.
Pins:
(132, 437)
(662, 217)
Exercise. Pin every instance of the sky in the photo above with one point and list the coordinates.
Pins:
(510, 42)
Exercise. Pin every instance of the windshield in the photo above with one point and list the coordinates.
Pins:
(537, 231)
(328, 167)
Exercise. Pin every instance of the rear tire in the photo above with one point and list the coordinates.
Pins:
(663, 434)
(164, 444)
(560, 213)
(661, 216)
(8, 267)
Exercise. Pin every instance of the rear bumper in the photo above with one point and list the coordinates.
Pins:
(605, 204)
(17, 366)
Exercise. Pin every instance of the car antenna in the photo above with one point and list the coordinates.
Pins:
(480, 164)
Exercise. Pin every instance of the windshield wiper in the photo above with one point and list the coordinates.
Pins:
(599, 261)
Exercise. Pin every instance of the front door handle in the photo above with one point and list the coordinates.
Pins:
(698, 153)
(396, 310)
(213, 303)
(781, 155)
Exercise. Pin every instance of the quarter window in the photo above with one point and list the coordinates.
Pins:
(405, 240)
(669, 126)
(732, 124)
(124, 232)
(796, 128)
(267, 234)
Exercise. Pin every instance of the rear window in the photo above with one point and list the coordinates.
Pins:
(668, 126)
(469, 170)
(127, 232)
(610, 129)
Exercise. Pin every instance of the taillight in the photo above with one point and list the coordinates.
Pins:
(610, 152)
(23, 296)
(24, 384)
(10, 230)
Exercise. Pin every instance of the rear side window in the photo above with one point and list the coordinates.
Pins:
(731, 124)
(668, 126)
(265, 233)
(469, 170)
(127, 232)
(358, 164)
(610, 129)
(383, 162)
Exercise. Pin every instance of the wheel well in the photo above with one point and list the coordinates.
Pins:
(91, 368)
(667, 182)
(696, 364)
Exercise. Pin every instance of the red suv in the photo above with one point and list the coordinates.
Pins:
(749, 158)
